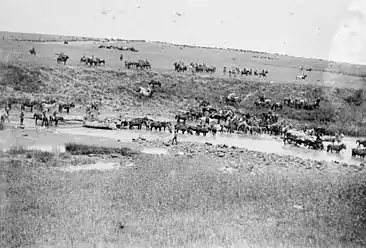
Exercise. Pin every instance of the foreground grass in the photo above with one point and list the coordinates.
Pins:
(174, 202)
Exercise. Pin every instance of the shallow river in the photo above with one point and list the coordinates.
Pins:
(55, 139)
(263, 143)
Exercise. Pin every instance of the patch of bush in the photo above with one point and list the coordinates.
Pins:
(22, 79)
(83, 149)
(356, 98)
(37, 155)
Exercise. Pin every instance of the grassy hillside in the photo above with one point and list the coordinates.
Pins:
(341, 108)
(339, 86)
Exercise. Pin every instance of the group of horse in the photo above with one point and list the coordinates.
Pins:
(314, 139)
(120, 48)
(299, 103)
(197, 67)
(308, 137)
(140, 64)
(227, 120)
(180, 66)
(52, 119)
(92, 60)
(293, 103)
(236, 70)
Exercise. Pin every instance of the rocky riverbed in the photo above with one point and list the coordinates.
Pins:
(236, 159)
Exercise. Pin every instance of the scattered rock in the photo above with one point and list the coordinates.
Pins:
(221, 154)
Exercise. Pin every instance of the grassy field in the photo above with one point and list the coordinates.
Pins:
(172, 202)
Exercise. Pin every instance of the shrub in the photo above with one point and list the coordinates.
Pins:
(82, 149)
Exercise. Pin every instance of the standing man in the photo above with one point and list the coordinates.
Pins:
(7, 108)
(175, 136)
(21, 117)
(44, 119)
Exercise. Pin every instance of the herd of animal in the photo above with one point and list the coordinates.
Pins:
(297, 103)
(92, 60)
(210, 120)
(120, 48)
(140, 64)
(180, 66)
(236, 70)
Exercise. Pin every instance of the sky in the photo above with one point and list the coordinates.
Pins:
(327, 29)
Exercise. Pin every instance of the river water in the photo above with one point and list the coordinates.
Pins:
(55, 139)
(262, 143)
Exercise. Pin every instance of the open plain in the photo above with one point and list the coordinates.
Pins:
(67, 186)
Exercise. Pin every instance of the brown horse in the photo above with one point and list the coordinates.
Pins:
(336, 148)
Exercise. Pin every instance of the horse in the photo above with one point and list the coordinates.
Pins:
(183, 117)
(32, 51)
(48, 107)
(154, 83)
(182, 127)
(159, 125)
(336, 148)
(276, 105)
(361, 142)
(301, 77)
(55, 119)
(358, 152)
(66, 106)
(138, 122)
(30, 104)
(3, 115)
(145, 92)
(62, 58)
(39, 116)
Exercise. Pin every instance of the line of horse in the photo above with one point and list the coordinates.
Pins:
(236, 70)
(41, 105)
(92, 60)
(140, 64)
(308, 138)
(180, 66)
(120, 48)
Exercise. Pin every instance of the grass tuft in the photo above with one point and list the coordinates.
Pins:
(83, 149)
